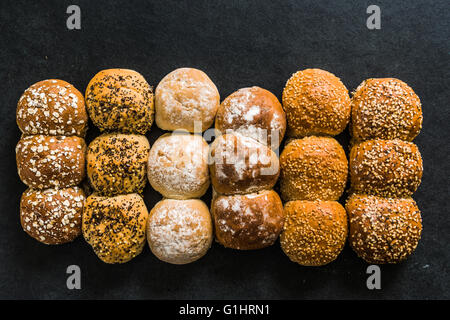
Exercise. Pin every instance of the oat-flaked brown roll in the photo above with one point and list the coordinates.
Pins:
(52, 107)
(52, 216)
(385, 109)
(186, 99)
(249, 221)
(390, 168)
(115, 226)
(117, 163)
(383, 230)
(179, 231)
(120, 100)
(314, 232)
(253, 112)
(50, 161)
(241, 165)
(313, 168)
(178, 166)
(316, 102)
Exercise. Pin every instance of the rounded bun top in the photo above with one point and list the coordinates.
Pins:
(385, 109)
(316, 102)
(186, 99)
(383, 230)
(313, 168)
(253, 112)
(120, 100)
(178, 166)
(52, 107)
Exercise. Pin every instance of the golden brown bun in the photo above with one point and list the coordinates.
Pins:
(249, 221)
(115, 226)
(51, 161)
(389, 168)
(117, 163)
(385, 109)
(314, 232)
(178, 166)
(179, 231)
(186, 96)
(52, 216)
(313, 168)
(240, 165)
(316, 102)
(52, 107)
(253, 112)
(383, 230)
(120, 100)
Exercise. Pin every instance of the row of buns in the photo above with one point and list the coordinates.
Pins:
(241, 164)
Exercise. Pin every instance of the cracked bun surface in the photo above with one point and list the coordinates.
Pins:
(51, 161)
(117, 163)
(115, 226)
(383, 230)
(313, 168)
(178, 166)
(314, 232)
(52, 107)
(316, 102)
(120, 100)
(385, 109)
(248, 221)
(179, 231)
(186, 99)
(52, 216)
(253, 112)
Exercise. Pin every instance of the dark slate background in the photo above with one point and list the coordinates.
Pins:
(238, 44)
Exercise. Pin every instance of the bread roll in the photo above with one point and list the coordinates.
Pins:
(52, 107)
(178, 166)
(179, 231)
(52, 216)
(314, 232)
(117, 163)
(389, 168)
(385, 109)
(51, 161)
(186, 99)
(383, 230)
(115, 226)
(316, 102)
(313, 168)
(120, 100)
(249, 221)
(241, 165)
(253, 112)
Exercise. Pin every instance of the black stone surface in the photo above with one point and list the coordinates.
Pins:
(238, 44)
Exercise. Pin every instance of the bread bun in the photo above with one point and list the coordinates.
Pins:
(179, 231)
(50, 161)
(389, 168)
(117, 163)
(52, 107)
(120, 100)
(316, 102)
(186, 99)
(178, 166)
(385, 109)
(240, 165)
(249, 221)
(52, 216)
(253, 112)
(314, 232)
(313, 168)
(383, 230)
(115, 226)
